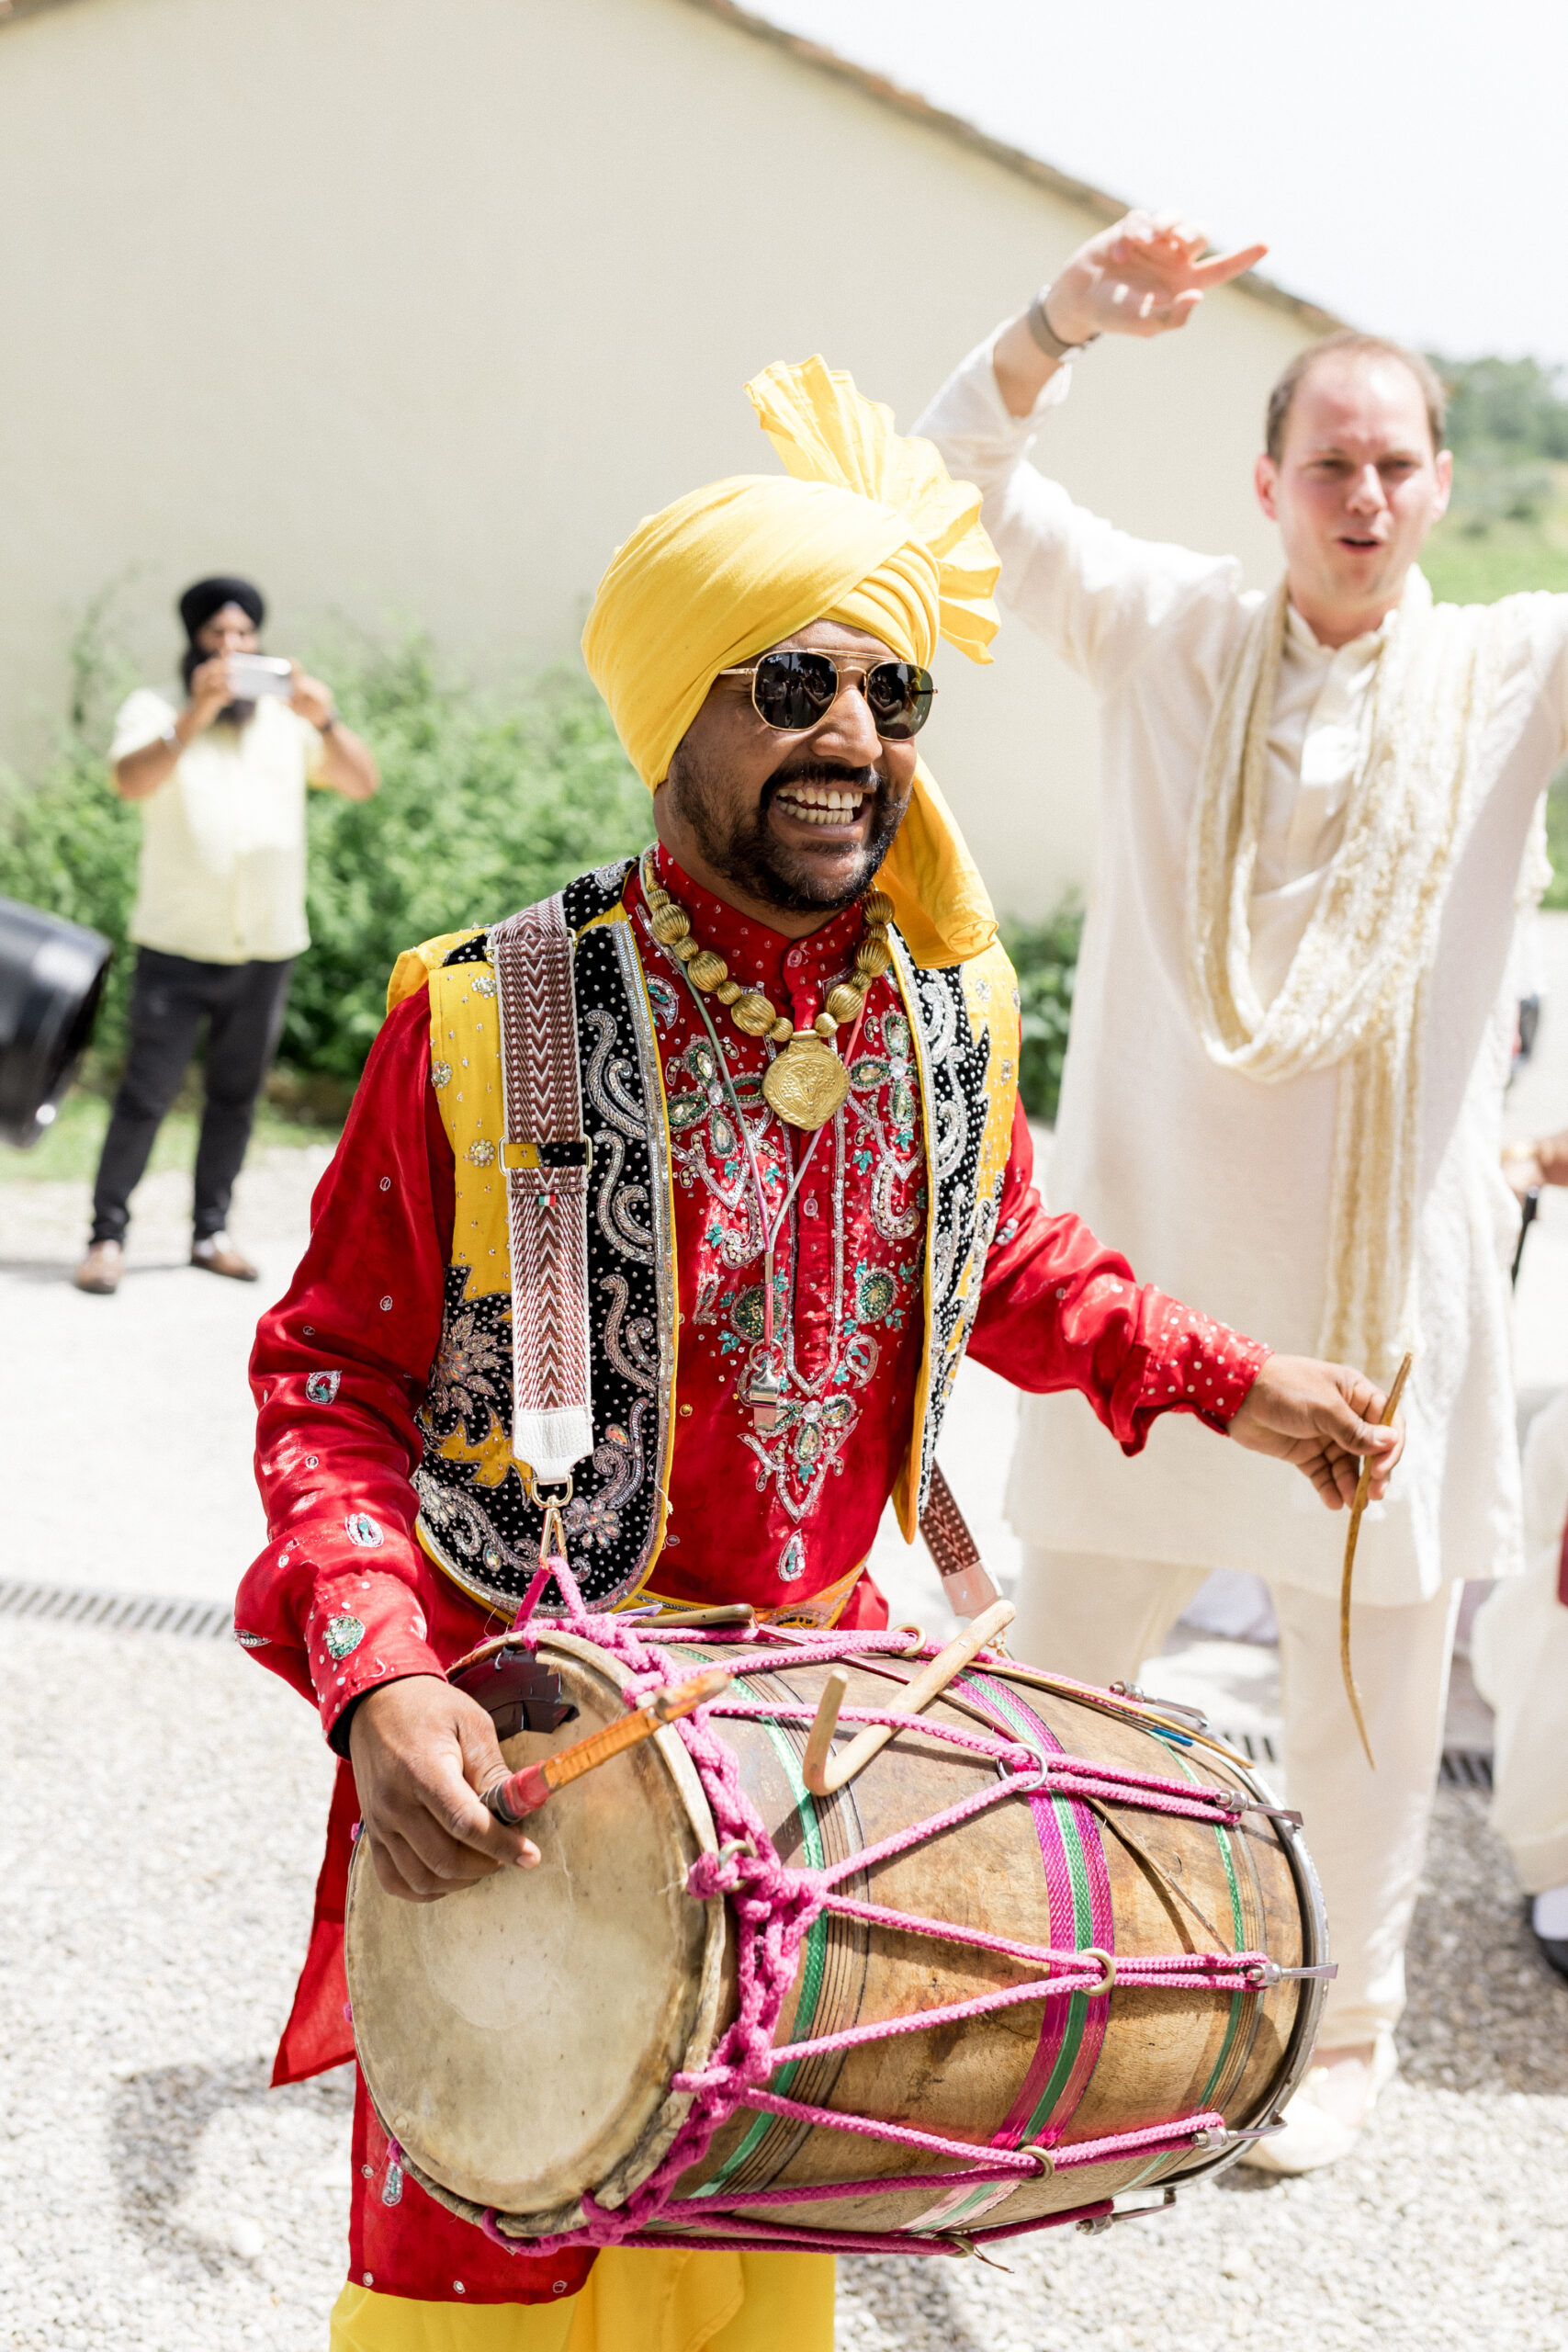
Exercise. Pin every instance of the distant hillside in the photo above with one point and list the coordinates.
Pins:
(1508, 526)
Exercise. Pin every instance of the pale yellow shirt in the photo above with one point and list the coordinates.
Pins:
(222, 877)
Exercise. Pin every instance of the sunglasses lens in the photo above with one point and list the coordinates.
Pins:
(899, 697)
(792, 691)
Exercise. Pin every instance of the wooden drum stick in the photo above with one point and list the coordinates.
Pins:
(824, 1773)
(521, 1793)
(1357, 1508)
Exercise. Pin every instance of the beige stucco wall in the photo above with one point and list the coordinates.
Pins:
(412, 310)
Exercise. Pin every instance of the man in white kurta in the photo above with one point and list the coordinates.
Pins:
(1222, 1181)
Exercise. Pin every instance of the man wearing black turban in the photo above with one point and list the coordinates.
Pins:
(205, 598)
(219, 913)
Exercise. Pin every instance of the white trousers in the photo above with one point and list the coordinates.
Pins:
(1100, 1618)
(1518, 1649)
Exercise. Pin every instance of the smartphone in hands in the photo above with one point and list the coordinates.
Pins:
(250, 675)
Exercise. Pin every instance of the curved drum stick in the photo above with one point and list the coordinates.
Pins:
(1357, 1508)
(824, 1773)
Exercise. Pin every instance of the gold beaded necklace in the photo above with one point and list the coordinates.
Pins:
(805, 1082)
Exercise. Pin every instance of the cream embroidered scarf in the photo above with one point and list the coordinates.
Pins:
(1353, 993)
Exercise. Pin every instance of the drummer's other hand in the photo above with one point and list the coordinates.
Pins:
(422, 1751)
(1322, 1418)
(1544, 1162)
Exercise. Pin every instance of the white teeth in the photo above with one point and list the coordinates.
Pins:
(815, 804)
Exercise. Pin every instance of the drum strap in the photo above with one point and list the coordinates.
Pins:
(546, 1159)
(966, 1586)
(946, 1531)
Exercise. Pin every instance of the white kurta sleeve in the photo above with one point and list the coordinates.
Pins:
(1096, 594)
(139, 721)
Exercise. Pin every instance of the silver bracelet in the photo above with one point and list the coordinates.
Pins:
(1045, 335)
(170, 736)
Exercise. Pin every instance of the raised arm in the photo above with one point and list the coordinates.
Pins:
(1095, 593)
(1145, 276)
(343, 764)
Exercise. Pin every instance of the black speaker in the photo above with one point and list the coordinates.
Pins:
(51, 976)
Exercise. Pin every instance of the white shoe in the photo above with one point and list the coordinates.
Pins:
(1323, 2121)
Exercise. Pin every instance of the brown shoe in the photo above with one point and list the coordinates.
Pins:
(101, 1269)
(218, 1255)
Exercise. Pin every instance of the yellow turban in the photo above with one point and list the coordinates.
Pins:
(867, 529)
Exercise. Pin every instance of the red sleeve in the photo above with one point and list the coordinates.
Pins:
(342, 1598)
(1058, 1310)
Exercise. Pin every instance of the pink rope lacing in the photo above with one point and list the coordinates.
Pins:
(775, 1905)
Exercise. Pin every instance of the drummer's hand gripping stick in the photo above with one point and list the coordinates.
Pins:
(523, 1793)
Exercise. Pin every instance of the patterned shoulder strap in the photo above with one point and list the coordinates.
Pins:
(546, 1158)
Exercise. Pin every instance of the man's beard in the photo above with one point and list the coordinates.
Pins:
(740, 847)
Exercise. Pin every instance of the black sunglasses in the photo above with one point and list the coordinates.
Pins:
(794, 691)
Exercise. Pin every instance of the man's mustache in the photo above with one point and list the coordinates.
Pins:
(819, 771)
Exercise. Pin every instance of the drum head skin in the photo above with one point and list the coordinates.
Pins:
(518, 2038)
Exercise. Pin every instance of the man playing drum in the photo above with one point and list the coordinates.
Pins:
(1288, 1045)
(739, 1133)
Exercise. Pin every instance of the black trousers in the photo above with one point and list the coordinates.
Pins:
(243, 1006)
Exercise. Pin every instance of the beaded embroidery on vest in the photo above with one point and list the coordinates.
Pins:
(475, 1517)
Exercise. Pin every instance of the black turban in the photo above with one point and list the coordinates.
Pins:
(208, 596)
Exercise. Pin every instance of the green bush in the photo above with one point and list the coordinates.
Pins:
(68, 843)
(1045, 957)
(486, 803)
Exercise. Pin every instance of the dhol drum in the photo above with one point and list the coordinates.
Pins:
(1050, 1952)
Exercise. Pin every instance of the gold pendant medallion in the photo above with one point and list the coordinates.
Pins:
(807, 1082)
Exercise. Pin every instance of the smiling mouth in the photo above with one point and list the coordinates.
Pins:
(822, 804)
(1347, 539)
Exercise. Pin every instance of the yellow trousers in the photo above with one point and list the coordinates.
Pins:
(634, 2301)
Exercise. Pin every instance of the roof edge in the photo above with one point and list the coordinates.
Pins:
(954, 128)
(12, 11)
(961, 132)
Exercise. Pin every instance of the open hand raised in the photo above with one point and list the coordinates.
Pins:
(1144, 277)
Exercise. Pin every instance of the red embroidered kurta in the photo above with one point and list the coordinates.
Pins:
(344, 1598)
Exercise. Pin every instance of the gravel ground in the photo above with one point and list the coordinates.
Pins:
(159, 2195)
(157, 1383)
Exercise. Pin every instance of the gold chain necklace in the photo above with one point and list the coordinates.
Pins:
(807, 1082)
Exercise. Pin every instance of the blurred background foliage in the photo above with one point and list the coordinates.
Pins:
(1507, 527)
(488, 801)
(1045, 957)
(492, 799)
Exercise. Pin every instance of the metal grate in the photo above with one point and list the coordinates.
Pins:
(1462, 1768)
(1256, 1745)
(213, 1621)
(118, 1612)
